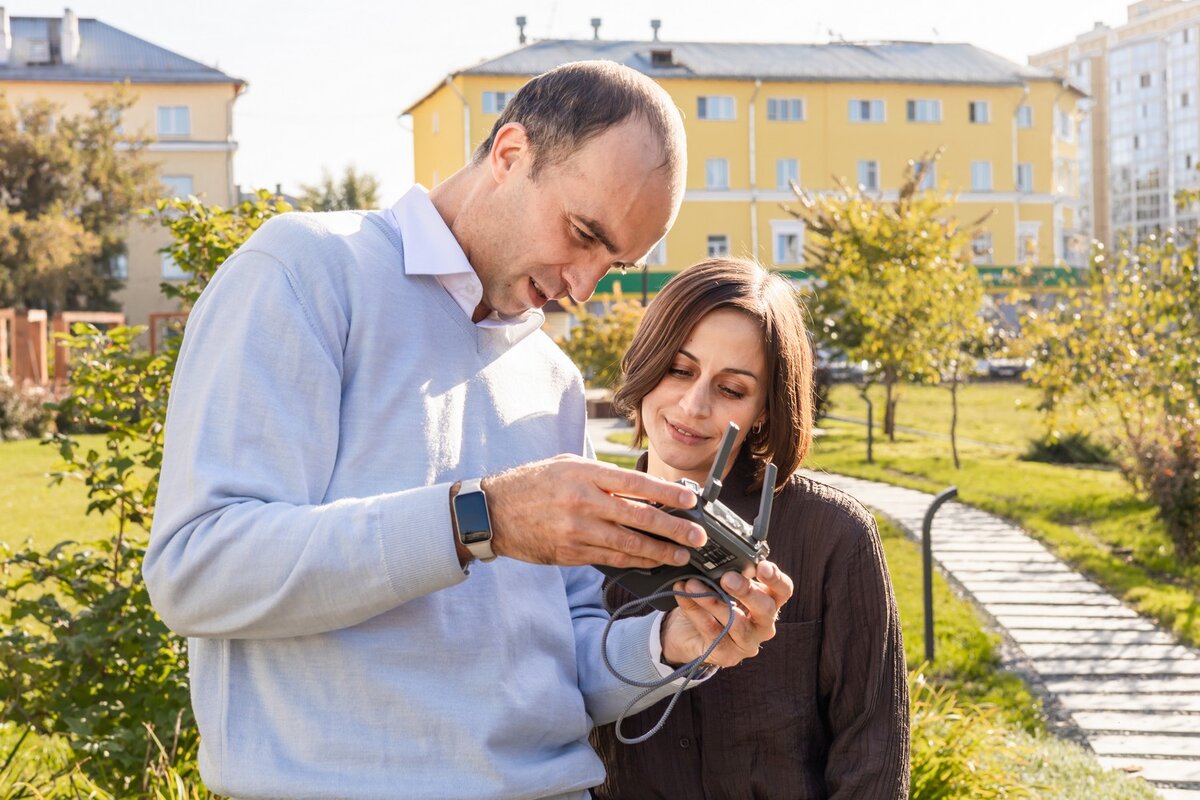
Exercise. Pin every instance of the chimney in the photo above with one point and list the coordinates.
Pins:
(655, 24)
(5, 36)
(70, 37)
(595, 28)
(521, 30)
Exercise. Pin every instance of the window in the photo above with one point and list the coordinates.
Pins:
(1027, 241)
(718, 245)
(118, 266)
(1185, 100)
(494, 102)
(981, 176)
(1024, 177)
(1024, 116)
(657, 256)
(1137, 142)
(714, 107)
(716, 173)
(924, 110)
(787, 248)
(436, 122)
(1066, 129)
(1117, 86)
(979, 112)
(171, 270)
(866, 111)
(785, 109)
(177, 185)
(786, 171)
(868, 175)
(981, 248)
(174, 121)
(929, 179)
(1144, 80)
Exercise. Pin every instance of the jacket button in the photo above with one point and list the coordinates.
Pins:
(685, 743)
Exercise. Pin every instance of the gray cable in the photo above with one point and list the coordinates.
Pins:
(688, 671)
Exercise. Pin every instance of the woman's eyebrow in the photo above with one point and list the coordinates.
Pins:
(736, 370)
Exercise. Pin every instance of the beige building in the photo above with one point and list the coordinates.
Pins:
(183, 106)
(1140, 144)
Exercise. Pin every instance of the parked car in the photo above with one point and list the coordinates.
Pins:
(839, 368)
(1008, 367)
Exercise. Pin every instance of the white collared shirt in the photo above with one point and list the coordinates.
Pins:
(431, 249)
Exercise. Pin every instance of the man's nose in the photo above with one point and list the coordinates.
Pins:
(582, 278)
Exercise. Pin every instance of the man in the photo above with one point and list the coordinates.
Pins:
(364, 404)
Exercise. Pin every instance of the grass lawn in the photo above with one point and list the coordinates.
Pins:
(1088, 517)
(30, 508)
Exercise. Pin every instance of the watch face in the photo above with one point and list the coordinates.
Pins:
(471, 512)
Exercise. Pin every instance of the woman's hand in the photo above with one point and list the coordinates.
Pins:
(687, 631)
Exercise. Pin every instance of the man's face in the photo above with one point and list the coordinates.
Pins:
(556, 235)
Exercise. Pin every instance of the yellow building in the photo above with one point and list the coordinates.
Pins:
(759, 115)
(184, 107)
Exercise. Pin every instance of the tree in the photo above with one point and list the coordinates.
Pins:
(1127, 346)
(355, 190)
(69, 186)
(598, 341)
(895, 286)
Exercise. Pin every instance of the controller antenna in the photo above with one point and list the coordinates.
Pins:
(712, 487)
(763, 520)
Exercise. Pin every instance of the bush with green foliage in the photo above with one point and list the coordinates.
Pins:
(598, 341)
(959, 750)
(82, 653)
(1127, 344)
(1074, 447)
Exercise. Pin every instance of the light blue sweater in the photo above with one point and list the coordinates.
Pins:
(323, 403)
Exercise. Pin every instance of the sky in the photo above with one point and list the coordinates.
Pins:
(328, 81)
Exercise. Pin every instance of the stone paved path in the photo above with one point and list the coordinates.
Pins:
(1131, 689)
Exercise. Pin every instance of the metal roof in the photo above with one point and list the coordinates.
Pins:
(106, 54)
(901, 62)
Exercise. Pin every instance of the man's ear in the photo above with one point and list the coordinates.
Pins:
(510, 149)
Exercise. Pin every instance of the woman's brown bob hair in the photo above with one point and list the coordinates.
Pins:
(769, 300)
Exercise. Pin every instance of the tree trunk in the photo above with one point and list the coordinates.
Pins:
(870, 423)
(889, 408)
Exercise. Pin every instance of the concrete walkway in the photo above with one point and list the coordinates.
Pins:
(1130, 690)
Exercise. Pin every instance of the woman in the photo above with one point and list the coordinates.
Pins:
(822, 711)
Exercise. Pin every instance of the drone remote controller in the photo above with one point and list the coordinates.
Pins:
(733, 544)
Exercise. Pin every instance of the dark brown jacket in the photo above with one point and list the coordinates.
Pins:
(822, 711)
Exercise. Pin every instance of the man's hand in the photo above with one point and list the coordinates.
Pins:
(570, 511)
(687, 631)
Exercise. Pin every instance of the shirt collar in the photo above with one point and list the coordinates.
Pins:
(431, 249)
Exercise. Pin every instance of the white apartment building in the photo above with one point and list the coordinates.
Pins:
(1140, 143)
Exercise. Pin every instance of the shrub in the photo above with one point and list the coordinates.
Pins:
(598, 341)
(960, 750)
(22, 411)
(1075, 447)
(1124, 346)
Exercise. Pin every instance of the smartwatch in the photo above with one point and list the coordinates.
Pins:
(469, 516)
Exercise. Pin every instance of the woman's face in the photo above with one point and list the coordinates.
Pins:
(718, 376)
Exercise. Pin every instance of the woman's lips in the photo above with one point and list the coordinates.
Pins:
(684, 434)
